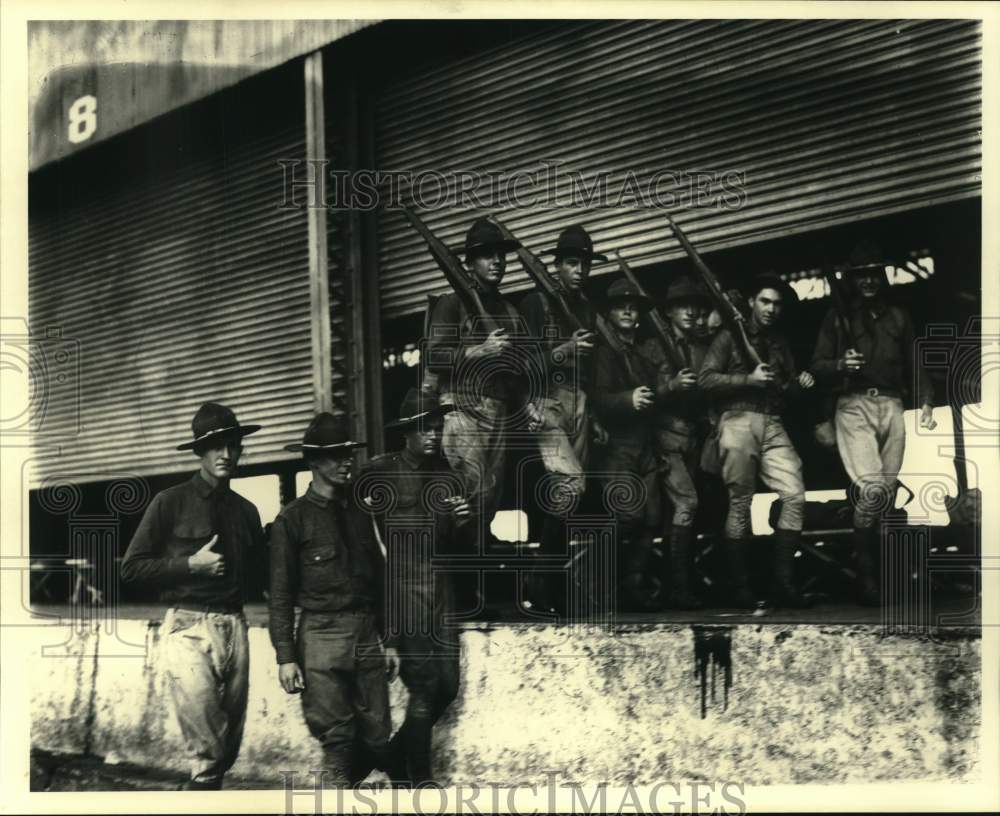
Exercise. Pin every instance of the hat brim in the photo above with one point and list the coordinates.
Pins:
(770, 282)
(405, 422)
(689, 297)
(236, 430)
(590, 256)
(878, 266)
(339, 448)
(505, 245)
(644, 303)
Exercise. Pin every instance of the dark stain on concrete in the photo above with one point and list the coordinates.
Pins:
(713, 653)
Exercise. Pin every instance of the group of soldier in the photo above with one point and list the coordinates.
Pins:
(357, 552)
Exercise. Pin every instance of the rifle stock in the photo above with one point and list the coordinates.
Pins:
(663, 331)
(731, 315)
(454, 272)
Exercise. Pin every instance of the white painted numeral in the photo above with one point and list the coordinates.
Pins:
(82, 119)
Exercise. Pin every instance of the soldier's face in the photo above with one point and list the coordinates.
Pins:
(701, 327)
(487, 267)
(426, 439)
(220, 460)
(333, 470)
(624, 315)
(766, 306)
(573, 271)
(869, 283)
(684, 316)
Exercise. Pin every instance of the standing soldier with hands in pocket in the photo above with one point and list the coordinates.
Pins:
(195, 541)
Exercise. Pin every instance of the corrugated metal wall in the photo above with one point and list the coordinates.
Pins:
(831, 121)
(165, 255)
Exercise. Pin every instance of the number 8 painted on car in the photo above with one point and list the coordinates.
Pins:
(82, 119)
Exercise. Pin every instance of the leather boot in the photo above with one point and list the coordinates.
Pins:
(417, 744)
(737, 552)
(865, 542)
(639, 553)
(680, 592)
(786, 542)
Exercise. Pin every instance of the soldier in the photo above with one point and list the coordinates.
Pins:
(623, 399)
(197, 541)
(680, 415)
(752, 439)
(324, 558)
(480, 374)
(416, 501)
(564, 355)
(870, 373)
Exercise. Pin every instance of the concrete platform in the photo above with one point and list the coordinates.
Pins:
(827, 695)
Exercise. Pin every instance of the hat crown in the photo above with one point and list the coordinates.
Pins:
(417, 402)
(866, 253)
(575, 237)
(483, 233)
(212, 417)
(684, 288)
(327, 429)
(621, 289)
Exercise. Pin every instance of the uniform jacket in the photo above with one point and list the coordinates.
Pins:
(548, 329)
(180, 521)
(614, 383)
(886, 338)
(673, 403)
(324, 558)
(724, 374)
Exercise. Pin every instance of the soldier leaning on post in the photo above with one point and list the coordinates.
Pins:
(679, 417)
(479, 373)
(752, 439)
(871, 373)
(196, 541)
(564, 355)
(623, 400)
(325, 559)
(418, 598)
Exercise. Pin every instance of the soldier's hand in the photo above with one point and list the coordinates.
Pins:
(290, 677)
(806, 380)
(206, 562)
(642, 398)
(391, 663)
(927, 421)
(460, 506)
(762, 375)
(600, 432)
(852, 360)
(497, 342)
(685, 379)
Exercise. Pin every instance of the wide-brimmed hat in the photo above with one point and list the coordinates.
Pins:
(772, 280)
(212, 421)
(484, 234)
(867, 255)
(418, 405)
(685, 289)
(622, 289)
(575, 240)
(327, 434)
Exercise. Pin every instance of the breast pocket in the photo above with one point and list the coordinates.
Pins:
(323, 567)
(189, 536)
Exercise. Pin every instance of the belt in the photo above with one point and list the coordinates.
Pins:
(877, 392)
(217, 609)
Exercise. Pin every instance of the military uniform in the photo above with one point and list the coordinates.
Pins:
(416, 528)
(325, 559)
(753, 442)
(204, 631)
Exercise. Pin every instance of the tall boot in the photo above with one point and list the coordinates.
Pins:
(542, 591)
(417, 744)
(737, 552)
(680, 592)
(786, 542)
(865, 542)
(639, 553)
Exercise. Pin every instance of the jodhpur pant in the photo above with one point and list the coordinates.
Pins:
(346, 698)
(563, 442)
(871, 439)
(679, 455)
(207, 661)
(752, 444)
(473, 442)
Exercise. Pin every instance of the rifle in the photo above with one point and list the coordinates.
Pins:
(731, 315)
(840, 313)
(663, 331)
(455, 273)
(537, 271)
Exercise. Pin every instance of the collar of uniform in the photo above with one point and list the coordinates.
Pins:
(411, 459)
(877, 306)
(204, 489)
(314, 496)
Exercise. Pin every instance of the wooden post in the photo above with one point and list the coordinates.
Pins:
(319, 277)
